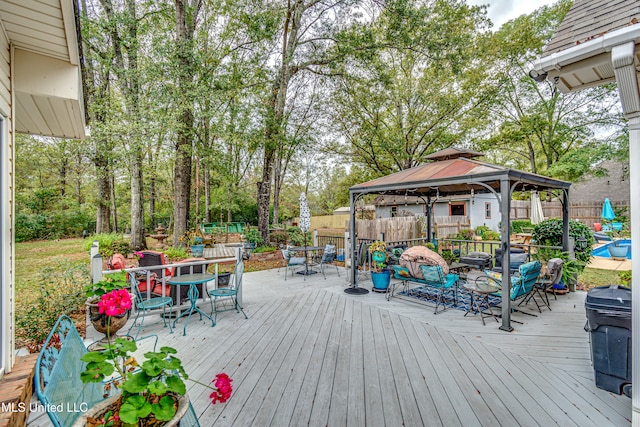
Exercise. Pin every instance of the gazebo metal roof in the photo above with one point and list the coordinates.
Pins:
(458, 175)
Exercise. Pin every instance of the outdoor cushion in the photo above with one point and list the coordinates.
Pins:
(413, 257)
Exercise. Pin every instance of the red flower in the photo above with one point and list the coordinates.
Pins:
(223, 388)
(115, 303)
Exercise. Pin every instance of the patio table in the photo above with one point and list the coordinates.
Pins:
(480, 289)
(192, 280)
(307, 271)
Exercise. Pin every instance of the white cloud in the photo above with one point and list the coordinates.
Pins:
(501, 11)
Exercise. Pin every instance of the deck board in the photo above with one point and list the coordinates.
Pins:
(309, 354)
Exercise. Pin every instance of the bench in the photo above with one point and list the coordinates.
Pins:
(434, 278)
(57, 377)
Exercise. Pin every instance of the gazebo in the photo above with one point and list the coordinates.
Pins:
(452, 172)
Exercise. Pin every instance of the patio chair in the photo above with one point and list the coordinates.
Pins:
(293, 262)
(230, 292)
(155, 276)
(189, 269)
(522, 285)
(518, 257)
(329, 257)
(434, 277)
(546, 283)
(145, 305)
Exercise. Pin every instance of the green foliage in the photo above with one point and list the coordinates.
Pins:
(518, 224)
(109, 244)
(625, 277)
(109, 282)
(549, 232)
(174, 254)
(464, 234)
(60, 291)
(253, 236)
(51, 225)
(430, 245)
(296, 236)
(161, 373)
(260, 249)
(279, 237)
(449, 255)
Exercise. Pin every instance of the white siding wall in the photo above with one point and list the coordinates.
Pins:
(477, 215)
(6, 208)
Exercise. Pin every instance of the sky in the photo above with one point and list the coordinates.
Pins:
(501, 11)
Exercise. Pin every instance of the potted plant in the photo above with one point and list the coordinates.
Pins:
(619, 248)
(154, 394)
(193, 239)
(115, 282)
(380, 275)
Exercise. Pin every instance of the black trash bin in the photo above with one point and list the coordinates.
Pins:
(609, 324)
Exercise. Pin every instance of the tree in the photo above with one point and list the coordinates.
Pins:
(413, 82)
(539, 129)
(186, 18)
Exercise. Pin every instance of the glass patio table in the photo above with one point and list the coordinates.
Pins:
(193, 280)
(480, 288)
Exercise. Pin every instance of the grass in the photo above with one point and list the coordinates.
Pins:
(592, 277)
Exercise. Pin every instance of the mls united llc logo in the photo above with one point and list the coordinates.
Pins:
(39, 407)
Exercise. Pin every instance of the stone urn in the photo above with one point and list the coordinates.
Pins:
(101, 323)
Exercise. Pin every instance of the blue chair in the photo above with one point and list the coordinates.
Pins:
(292, 261)
(434, 277)
(153, 303)
(229, 292)
(522, 285)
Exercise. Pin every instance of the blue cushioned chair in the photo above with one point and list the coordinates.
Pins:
(522, 285)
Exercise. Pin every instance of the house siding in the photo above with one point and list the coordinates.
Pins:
(7, 291)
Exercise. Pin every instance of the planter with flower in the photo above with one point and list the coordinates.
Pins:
(152, 392)
(193, 239)
(380, 275)
(97, 304)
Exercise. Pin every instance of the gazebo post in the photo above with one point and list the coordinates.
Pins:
(565, 221)
(505, 212)
(352, 237)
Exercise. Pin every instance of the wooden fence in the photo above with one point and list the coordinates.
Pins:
(585, 212)
(398, 228)
(329, 221)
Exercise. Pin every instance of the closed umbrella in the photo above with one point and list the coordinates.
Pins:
(537, 214)
(305, 224)
(607, 210)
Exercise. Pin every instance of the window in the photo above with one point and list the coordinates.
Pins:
(457, 208)
(487, 210)
(394, 211)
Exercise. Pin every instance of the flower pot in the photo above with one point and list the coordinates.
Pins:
(381, 280)
(100, 321)
(99, 409)
(197, 250)
(223, 279)
(618, 252)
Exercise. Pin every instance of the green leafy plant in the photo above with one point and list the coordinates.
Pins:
(550, 232)
(150, 392)
(253, 236)
(109, 244)
(377, 246)
(110, 282)
(625, 277)
(264, 249)
(449, 255)
(174, 253)
(296, 236)
(191, 237)
(464, 234)
(518, 224)
(279, 237)
(481, 230)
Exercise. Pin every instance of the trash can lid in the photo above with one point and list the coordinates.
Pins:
(611, 297)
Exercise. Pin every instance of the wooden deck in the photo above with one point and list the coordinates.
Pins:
(309, 354)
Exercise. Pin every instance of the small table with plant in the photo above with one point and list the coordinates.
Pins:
(192, 280)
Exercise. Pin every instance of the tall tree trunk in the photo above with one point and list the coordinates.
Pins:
(186, 17)
(103, 188)
(197, 191)
(207, 196)
(114, 208)
(152, 190)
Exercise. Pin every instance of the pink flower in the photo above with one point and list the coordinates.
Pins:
(115, 303)
(140, 254)
(223, 388)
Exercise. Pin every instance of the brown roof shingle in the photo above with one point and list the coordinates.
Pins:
(589, 19)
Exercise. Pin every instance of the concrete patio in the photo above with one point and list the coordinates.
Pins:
(309, 354)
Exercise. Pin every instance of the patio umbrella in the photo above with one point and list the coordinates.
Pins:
(607, 210)
(537, 215)
(305, 215)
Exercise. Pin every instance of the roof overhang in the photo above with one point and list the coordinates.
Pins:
(46, 67)
(588, 64)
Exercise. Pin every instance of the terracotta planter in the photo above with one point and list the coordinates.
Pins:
(101, 407)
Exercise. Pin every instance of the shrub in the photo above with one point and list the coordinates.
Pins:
(549, 232)
(60, 291)
(481, 230)
(518, 224)
(253, 236)
(109, 244)
(296, 237)
(261, 249)
(465, 234)
(174, 254)
(279, 237)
